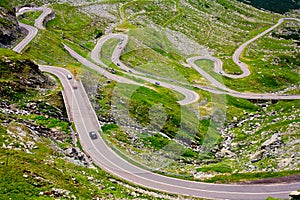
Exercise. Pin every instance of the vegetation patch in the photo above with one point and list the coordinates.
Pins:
(220, 168)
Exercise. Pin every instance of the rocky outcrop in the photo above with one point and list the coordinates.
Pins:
(274, 142)
(10, 31)
(257, 156)
(268, 148)
(20, 75)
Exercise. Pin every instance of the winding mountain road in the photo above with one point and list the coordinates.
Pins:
(226, 90)
(238, 52)
(85, 119)
(32, 31)
(190, 96)
(39, 22)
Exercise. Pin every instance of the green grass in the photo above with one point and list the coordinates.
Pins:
(155, 55)
(12, 66)
(156, 141)
(142, 101)
(114, 131)
(150, 51)
(56, 172)
(219, 167)
(242, 103)
(29, 17)
(208, 66)
(51, 123)
(271, 68)
(7, 5)
(106, 52)
(265, 77)
(66, 27)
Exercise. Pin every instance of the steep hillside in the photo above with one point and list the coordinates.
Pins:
(39, 158)
(10, 31)
(19, 76)
(162, 35)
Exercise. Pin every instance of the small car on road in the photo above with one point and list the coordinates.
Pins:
(74, 85)
(69, 76)
(93, 135)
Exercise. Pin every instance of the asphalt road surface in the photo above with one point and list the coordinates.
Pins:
(226, 90)
(80, 110)
(39, 22)
(240, 50)
(32, 31)
(85, 121)
(190, 96)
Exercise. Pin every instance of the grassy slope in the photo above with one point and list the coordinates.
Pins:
(14, 70)
(66, 27)
(221, 31)
(56, 172)
(155, 53)
(29, 17)
(249, 136)
(25, 175)
(221, 34)
(6, 4)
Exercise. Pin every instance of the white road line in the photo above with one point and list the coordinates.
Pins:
(189, 187)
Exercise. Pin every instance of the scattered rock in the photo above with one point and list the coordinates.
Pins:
(133, 194)
(56, 192)
(274, 141)
(228, 153)
(203, 175)
(113, 180)
(284, 162)
(257, 156)
(112, 188)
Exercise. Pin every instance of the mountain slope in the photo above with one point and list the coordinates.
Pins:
(162, 35)
(9, 28)
(39, 158)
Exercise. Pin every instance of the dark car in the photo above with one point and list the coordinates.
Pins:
(157, 83)
(74, 85)
(93, 135)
